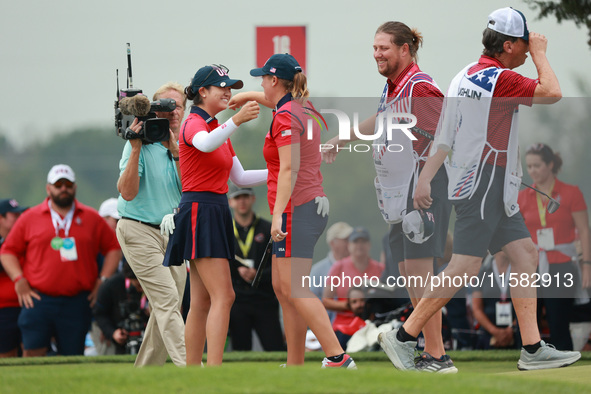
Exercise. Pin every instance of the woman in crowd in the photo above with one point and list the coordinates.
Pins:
(204, 234)
(297, 202)
(555, 234)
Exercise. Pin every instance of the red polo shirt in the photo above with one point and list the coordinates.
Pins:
(8, 297)
(203, 171)
(426, 106)
(289, 127)
(30, 240)
(511, 90)
(570, 199)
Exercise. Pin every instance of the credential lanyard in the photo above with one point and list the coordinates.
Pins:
(247, 244)
(384, 100)
(413, 70)
(541, 208)
(59, 223)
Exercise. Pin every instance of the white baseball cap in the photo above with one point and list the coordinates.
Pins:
(418, 225)
(510, 22)
(312, 342)
(109, 209)
(60, 171)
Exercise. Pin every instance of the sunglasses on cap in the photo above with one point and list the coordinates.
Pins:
(62, 182)
(216, 67)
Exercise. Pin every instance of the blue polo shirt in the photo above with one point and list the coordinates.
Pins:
(160, 187)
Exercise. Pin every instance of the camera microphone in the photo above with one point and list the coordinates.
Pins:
(138, 105)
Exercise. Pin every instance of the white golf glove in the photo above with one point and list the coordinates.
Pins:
(167, 224)
(323, 206)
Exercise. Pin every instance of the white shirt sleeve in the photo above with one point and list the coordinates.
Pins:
(208, 142)
(243, 178)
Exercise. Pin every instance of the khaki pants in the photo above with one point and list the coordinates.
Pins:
(144, 248)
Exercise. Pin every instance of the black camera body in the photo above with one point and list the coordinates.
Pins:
(127, 108)
(134, 323)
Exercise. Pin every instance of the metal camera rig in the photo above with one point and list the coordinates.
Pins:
(154, 129)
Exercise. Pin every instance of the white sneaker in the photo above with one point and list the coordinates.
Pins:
(401, 354)
(546, 357)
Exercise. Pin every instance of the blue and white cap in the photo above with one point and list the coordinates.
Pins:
(510, 22)
(282, 65)
(418, 225)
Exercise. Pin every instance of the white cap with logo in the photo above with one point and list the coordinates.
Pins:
(60, 171)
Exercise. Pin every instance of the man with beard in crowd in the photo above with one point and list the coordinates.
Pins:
(50, 256)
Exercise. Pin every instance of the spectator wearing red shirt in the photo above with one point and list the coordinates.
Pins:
(554, 235)
(58, 242)
(204, 233)
(356, 270)
(485, 195)
(298, 205)
(10, 335)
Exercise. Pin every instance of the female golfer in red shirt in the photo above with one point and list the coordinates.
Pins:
(204, 233)
(298, 205)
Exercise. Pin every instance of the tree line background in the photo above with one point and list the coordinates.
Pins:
(94, 154)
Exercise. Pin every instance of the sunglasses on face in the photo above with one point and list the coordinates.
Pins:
(60, 183)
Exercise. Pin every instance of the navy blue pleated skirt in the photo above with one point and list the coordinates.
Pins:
(203, 228)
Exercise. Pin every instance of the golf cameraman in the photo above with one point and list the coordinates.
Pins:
(121, 311)
(150, 189)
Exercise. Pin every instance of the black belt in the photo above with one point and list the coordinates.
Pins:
(156, 226)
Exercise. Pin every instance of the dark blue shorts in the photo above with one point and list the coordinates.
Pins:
(306, 227)
(203, 228)
(10, 335)
(65, 318)
(402, 248)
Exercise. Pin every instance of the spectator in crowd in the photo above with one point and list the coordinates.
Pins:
(337, 238)
(103, 345)
(150, 189)
(50, 255)
(354, 270)
(204, 233)
(387, 297)
(10, 335)
(356, 305)
(492, 308)
(121, 311)
(254, 308)
(554, 235)
(108, 211)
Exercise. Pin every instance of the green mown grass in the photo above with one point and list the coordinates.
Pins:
(259, 372)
